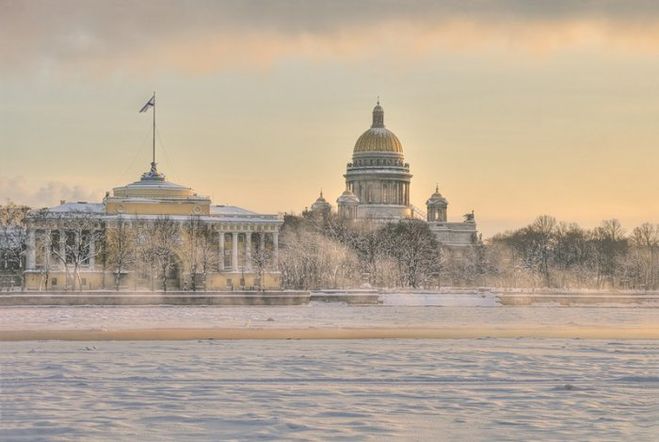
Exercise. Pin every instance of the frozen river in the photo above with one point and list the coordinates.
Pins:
(470, 311)
(403, 389)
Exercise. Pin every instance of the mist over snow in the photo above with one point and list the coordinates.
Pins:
(18, 190)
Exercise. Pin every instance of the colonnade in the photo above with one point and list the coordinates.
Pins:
(235, 265)
(381, 192)
(46, 236)
(247, 257)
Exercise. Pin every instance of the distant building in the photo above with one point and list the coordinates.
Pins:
(452, 234)
(239, 237)
(321, 208)
(378, 188)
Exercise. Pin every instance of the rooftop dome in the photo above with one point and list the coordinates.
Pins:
(153, 185)
(436, 199)
(321, 204)
(347, 197)
(378, 138)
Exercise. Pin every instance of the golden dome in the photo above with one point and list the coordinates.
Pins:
(378, 138)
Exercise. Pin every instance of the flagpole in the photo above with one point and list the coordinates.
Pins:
(154, 129)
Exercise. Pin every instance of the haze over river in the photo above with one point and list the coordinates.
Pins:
(524, 388)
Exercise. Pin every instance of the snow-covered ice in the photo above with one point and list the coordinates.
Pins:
(378, 389)
(475, 389)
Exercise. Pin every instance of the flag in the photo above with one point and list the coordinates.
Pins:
(150, 103)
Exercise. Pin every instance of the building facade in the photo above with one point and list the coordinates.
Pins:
(231, 247)
(378, 188)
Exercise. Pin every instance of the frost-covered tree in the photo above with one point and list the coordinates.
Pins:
(81, 243)
(12, 243)
(198, 251)
(308, 259)
(121, 247)
(610, 244)
(546, 253)
(261, 259)
(645, 241)
(157, 243)
(414, 249)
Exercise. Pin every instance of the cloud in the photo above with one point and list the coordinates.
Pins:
(17, 190)
(201, 36)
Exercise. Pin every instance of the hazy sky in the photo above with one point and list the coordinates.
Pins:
(516, 108)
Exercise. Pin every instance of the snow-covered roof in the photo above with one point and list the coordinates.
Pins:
(230, 210)
(218, 213)
(78, 207)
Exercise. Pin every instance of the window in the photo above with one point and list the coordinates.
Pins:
(70, 247)
(53, 282)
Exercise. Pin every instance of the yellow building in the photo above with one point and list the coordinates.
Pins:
(213, 247)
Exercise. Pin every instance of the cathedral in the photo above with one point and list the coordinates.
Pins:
(378, 188)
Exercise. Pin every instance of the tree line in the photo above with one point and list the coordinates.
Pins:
(321, 252)
(326, 252)
(548, 253)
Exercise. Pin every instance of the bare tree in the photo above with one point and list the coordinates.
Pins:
(13, 233)
(310, 260)
(121, 243)
(82, 243)
(543, 229)
(198, 251)
(645, 239)
(415, 250)
(163, 241)
(609, 245)
(261, 259)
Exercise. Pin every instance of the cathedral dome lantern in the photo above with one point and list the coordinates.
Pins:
(378, 138)
(437, 206)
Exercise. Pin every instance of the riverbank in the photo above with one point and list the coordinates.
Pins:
(483, 297)
(234, 298)
(156, 298)
(479, 332)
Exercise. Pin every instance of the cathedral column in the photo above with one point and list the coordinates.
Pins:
(261, 242)
(220, 252)
(275, 250)
(30, 259)
(234, 252)
(248, 251)
(407, 194)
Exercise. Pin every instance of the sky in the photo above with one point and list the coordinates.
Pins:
(514, 108)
